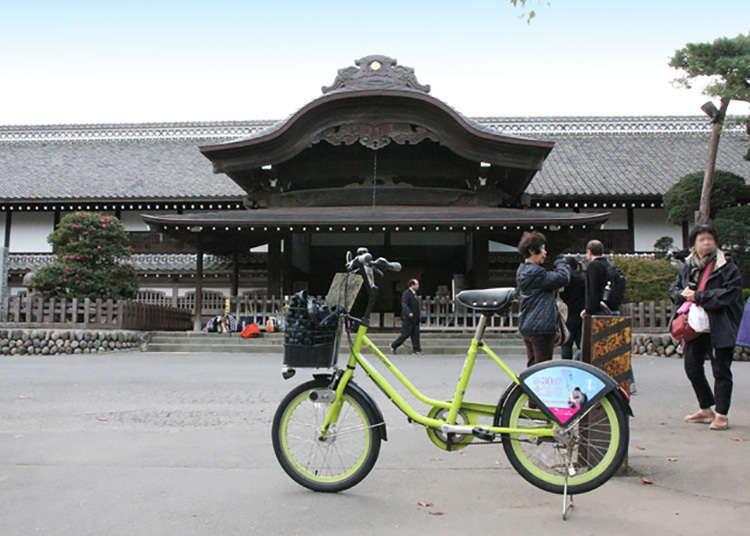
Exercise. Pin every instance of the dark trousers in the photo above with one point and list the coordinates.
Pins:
(575, 326)
(696, 352)
(539, 348)
(409, 328)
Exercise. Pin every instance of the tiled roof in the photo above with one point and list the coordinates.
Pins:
(142, 262)
(593, 156)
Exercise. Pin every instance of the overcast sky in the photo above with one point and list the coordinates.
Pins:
(135, 61)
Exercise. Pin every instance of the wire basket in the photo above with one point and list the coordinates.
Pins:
(318, 349)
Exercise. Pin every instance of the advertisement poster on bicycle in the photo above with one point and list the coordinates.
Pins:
(564, 390)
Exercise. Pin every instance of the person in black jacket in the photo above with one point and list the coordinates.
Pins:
(574, 296)
(597, 275)
(722, 301)
(537, 290)
(409, 318)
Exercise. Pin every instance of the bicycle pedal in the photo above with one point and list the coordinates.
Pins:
(483, 434)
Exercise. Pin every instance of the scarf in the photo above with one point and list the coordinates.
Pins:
(698, 265)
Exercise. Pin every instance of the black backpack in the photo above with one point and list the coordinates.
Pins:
(614, 291)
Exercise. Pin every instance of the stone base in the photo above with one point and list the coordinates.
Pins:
(662, 345)
(66, 341)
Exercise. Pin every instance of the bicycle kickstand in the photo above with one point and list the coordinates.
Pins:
(567, 500)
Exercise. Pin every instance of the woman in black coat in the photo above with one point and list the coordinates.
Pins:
(722, 300)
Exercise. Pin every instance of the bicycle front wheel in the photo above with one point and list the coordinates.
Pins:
(590, 453)
(337, 461)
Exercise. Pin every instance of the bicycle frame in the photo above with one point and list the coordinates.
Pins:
(453, 406)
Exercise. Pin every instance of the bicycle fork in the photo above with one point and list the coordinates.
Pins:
(332, 416)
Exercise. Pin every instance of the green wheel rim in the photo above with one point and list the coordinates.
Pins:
(555, 478)
(314, 429)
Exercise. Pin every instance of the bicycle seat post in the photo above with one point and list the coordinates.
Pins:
(481, 325)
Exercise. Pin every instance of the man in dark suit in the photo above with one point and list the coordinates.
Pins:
(409, 318)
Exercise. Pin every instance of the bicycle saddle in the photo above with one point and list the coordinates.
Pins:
(489, 300)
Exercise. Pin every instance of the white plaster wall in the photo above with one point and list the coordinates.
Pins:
(2, 229)
(618, 217)
(650, 225)
(133, 221)
(499, 247)
(29, 231)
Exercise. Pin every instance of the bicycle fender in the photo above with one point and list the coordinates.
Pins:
(368, 400)
(501, 403)
(563, 389)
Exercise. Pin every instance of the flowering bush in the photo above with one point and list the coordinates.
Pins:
(90, 251)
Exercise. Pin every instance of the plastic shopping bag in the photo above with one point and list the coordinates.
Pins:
(698, 319)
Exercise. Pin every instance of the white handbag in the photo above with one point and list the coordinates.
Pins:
(698, 319)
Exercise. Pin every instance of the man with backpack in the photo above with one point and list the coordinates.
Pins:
(605, 288)
(605, 284)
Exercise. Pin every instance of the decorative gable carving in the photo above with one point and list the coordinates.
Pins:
(376, 72)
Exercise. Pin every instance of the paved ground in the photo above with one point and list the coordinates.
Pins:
(139, 443)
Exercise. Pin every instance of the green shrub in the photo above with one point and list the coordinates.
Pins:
(90, 249)
(646, 279)
(745, 294)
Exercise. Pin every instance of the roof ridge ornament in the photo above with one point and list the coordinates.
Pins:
(376, 72)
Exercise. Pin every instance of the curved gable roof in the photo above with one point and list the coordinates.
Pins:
(377, 91)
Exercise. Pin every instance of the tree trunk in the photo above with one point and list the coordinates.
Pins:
(704, 213)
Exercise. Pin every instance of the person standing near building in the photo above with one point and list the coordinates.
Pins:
(597, 275)
(721, 298)
(574, 296)
(409, 318)
(537, 291)
(600, 273)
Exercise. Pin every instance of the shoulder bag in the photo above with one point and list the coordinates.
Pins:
(680, 328)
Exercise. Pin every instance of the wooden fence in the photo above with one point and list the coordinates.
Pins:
(439, 313)
(649, 316)
(36, 312)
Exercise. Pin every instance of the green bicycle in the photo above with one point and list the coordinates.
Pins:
(563, 425)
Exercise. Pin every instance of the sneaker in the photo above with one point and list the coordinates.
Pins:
(703, 416)
(418, 353)
(719, 423)
(633, 389)
(393, 349)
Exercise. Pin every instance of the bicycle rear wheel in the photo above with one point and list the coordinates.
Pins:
(339, 460)
(590, 453)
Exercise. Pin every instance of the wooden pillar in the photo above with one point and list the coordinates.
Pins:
(287, 265)
(197, 324)
(480, 254)
(274, 267)
(235, 290)
(56, 222)
(631, 230)
(8, 220)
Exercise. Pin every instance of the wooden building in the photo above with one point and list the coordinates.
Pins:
(376, 161)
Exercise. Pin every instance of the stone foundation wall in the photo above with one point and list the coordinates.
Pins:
(66, 341)
(662, 344)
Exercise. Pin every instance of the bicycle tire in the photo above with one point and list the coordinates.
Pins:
(609, 414)
(305, 458)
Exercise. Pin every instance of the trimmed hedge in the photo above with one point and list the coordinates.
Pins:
(646, 279)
